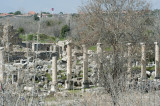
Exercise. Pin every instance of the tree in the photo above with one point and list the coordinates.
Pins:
(36, 18)
(10, 13)
(64, 30)
(17, 13)
(113, 23)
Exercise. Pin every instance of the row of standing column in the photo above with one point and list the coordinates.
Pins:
(143, 60)
(69, 82)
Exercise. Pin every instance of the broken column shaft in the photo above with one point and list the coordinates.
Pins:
(100, 63)
(85, 67)
(157, 71)
(54, 75)
(68, 83)
(129, 61)
(143, 61)
(1, 64)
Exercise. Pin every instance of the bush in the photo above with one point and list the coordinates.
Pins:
(64, 29)
(17, 13)
(36, 18)
(31, 37)
(23, 37)
(20, 30)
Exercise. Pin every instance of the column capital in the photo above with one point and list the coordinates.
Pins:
(129, 44)
(156, 43)
(142, 43)
(99, 44)
(69, 43)
(83, 45)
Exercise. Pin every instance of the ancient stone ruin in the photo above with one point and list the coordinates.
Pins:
(48, 67)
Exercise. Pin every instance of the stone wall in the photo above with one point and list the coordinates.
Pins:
(9, 37)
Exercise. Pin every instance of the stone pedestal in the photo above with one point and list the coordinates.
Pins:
(54, 86)
(100, 63)
(157, 71)
(129, 61)
(68, 82)
(85, 83)
(1, 64)
(143, 61)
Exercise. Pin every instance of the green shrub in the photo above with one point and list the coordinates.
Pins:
(42, 36)
(64, 30)
(136, 68)
(17, 13)
(48, 77)
(23, 37)
(20, 30)
(150, 68)
(63, 77)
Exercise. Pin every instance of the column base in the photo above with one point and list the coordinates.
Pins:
(54, 88)
(68, 85)
(85, 85)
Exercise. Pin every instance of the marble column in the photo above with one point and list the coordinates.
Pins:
(69, 82)
(1, 64)
(85, 83)
(100, 64)
(157, 71)
(54, 86)
(129, 61)
(143, 61)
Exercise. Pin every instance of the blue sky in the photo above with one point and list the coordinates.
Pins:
(65, 6)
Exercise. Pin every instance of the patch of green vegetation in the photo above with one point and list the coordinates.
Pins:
(147, 68)
(31, 37)
(61, 71)
(94, 48)
(59, 22)
(89, 69)
(48, 76)
(63, 77)
(136, 68)
(60, 86)
(23, 37)
(20, 30)
(78, 62)
(150, 68)
(64, 30)
(49, 22)
(50, 98)
(45, 38)
(81, 73)
(75, 91)
(60, 58)
(62, 38)
(108, 49)
(49, 66)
